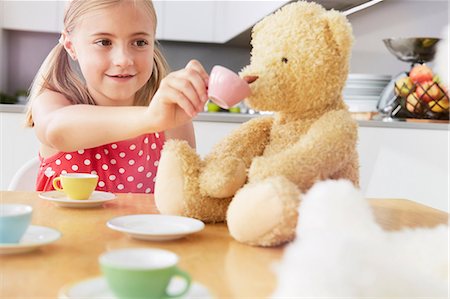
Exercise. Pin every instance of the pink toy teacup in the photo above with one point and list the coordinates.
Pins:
(226, 88)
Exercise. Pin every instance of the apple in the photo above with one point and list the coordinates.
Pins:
(235, 109)
(403, 87)
(421, 73)
(429, 91)
(437, 79)
(413, 104)
(439, 106)
(212, 107)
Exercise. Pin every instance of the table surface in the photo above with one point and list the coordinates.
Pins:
(227, 268)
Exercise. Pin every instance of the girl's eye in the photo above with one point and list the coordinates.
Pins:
(140, 43)
(284, 59)
(104, 43)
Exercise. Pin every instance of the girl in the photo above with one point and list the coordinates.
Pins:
(113, 118)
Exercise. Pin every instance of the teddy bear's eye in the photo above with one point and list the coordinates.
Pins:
(284, 59)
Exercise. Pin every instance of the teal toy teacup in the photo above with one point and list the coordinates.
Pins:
(14, 221)
(142, 273)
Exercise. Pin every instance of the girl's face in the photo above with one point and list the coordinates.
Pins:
(114, 48)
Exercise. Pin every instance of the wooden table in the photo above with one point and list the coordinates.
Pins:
(229, 269)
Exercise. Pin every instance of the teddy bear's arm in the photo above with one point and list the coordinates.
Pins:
(327, 147)
(225, 167)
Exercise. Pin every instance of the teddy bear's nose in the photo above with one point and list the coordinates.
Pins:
(250, 79)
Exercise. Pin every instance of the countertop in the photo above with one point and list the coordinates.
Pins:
(240, 118)
(399, 124)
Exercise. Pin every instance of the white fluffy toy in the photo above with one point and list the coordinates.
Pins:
(341, 252)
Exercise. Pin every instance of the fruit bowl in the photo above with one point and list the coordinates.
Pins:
(422, 95)
(412, 49)
(426, 101)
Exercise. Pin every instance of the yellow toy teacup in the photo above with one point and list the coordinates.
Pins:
(76, 185)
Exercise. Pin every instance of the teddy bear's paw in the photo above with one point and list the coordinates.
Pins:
(177, 178)
(222, 178)
(169, 184)
(264, 213)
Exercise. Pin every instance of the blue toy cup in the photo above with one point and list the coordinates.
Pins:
(14, 221)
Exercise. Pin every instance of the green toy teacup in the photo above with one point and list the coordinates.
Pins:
(142, 272)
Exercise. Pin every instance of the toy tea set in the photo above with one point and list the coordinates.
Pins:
(131, 272)
(417, 93)
(127, 273)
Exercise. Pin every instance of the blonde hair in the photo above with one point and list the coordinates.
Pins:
(57, 74)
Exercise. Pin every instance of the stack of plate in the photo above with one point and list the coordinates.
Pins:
(362, 91)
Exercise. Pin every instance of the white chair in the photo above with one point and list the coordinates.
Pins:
(25, 178)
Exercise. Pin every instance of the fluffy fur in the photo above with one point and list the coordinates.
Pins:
(341, 252)
(253, 178)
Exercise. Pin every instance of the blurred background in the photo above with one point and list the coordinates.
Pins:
(216, 32)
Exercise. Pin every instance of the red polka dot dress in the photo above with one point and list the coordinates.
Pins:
(124, 166)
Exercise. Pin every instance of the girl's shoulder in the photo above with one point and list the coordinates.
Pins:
(54, 97)
(45, 103)
(48, 101)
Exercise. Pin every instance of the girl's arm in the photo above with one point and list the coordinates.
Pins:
(185, 132)
(66, 127)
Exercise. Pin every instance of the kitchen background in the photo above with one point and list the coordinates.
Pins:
(22, 51)
(398, 159)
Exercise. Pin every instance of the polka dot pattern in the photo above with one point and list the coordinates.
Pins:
(125, 166)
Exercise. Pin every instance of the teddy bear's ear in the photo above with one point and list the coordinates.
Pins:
(340, 31)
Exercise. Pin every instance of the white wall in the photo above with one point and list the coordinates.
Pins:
(393, 18)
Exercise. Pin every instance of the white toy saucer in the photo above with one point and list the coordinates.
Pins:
(97, 198)
(35, 237)
(98, 288)
(155, 227)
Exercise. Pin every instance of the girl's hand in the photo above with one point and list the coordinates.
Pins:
(181, 95)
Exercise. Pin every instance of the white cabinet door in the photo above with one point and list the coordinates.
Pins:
(18, 145)
(2, 4)
(234, 17)
(34, 15)
(207, 134)
(159, 9)
(61, 9)
(188, 21)
(405, 163)
(394, 162)
(184, 20)
(211, 21)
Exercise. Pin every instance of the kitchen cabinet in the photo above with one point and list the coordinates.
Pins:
(211, 21)
(193, 21)
(234, 17)
(408, 163)
(33, 15)
(185, 20)
(18, 145)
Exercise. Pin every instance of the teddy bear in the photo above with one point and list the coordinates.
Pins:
(253, 178)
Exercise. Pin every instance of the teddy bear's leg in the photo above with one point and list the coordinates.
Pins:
(264, 213)
(177, 185)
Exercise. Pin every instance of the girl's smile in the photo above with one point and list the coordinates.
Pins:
(121, 77)
(114, 48)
